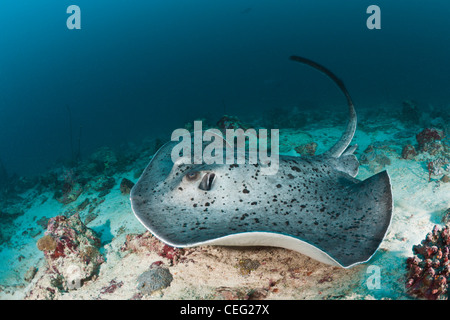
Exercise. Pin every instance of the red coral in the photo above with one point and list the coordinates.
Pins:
(59, 251)
(169, 252)
(427, 136)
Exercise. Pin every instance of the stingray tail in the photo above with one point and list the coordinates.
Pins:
(341, 146)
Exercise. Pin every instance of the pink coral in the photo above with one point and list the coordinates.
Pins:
(429, 269)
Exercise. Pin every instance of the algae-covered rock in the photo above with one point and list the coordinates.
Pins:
(156, 278)
(71, 250)
(126, 186)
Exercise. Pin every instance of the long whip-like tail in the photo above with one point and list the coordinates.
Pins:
(343, 143)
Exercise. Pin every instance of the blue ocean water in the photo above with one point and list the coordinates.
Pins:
(143, 68)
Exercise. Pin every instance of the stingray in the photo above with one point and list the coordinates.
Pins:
(313, 205)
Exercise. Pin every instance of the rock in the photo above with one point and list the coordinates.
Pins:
(104, 183)
(290, 140)
(126, 186)
(375, 158)
(446, 217)
(156, 278)
(246, 266)
(29, 275)
(71, 250)
(308, 149)
(437, 167)
(83, 205)
(408, 152)
(43, 222)
(69, 193)
(445, 178)
(91, 216)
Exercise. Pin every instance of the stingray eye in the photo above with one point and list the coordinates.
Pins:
(192, 176)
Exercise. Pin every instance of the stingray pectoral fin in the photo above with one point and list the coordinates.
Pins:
(351, 238)
(365, 222)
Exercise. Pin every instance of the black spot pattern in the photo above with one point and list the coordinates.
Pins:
(307, 199)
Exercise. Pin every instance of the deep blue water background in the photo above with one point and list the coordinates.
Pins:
(141, 68)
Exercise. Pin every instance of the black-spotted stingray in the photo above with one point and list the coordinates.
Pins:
(313, 205)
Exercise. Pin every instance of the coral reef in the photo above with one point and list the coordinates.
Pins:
(46, 243)
(429, 140)
(71, 250)
(429, 269)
